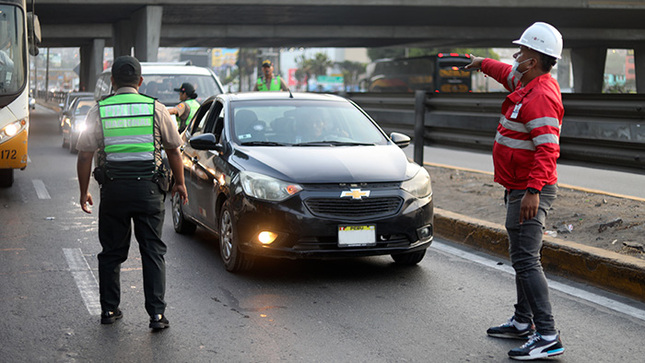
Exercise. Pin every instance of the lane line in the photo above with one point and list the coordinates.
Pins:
(570, 290)
(41, 190)
(84, 278)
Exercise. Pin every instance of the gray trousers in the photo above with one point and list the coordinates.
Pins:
(533, 303)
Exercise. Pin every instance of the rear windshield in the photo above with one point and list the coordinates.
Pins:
(162, 87)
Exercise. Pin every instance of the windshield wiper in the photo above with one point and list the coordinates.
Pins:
(333, 143)
(262, 143)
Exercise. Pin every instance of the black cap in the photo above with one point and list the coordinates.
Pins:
(187, 88)
(126, 70)
(267, 63)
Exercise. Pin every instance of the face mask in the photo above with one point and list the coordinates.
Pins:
(517, 74)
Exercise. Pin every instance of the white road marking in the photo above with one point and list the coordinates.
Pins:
(41, 191)
(84, 278)
(570, 290)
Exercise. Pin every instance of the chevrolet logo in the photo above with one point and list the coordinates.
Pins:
(355, 193)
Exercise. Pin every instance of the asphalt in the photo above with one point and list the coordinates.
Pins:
(611, 271)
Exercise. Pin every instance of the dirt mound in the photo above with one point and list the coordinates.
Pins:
(603, 221)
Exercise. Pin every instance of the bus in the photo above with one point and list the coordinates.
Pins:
(435, 73)
(19, 37)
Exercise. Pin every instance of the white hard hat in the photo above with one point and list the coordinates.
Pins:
(543, 38)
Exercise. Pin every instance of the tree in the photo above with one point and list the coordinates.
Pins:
(316, 66)
(246, 63)
(351, 71)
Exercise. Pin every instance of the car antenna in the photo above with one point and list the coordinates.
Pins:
(290, 94)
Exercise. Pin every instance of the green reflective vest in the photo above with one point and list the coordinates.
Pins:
(273, 86)
(193, 104)
(128, 133)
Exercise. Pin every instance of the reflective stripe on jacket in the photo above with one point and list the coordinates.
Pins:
(128, 133)
(527, 143)
(275, 84)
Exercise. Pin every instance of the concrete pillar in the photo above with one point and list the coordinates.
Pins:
(91, 64)
(639, 64)
(588, 69)
(564, 70)
(147, 29)
(122, 38)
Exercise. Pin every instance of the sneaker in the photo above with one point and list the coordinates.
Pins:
(537, 348)
(509, 331)
(158, 322)
(110, 316)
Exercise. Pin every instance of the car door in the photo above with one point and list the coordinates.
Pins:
(203, 171)
(190, 157)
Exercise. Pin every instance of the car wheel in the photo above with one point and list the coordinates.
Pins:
(234, 259)
(179, 221)
(410, 258)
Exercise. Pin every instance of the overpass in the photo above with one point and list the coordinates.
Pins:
(588, 27)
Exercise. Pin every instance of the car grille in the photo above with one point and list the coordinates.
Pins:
(354, 209)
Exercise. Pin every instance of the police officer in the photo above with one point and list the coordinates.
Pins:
(269, 82)
(128, 130)
(187, 106)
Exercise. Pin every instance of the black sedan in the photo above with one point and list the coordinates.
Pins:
(301, 176)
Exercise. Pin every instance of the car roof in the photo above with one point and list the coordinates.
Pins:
(182, 68)
(296, 96)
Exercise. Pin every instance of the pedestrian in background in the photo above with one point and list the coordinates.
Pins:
(269, 82)
(187, 107)
(524, 156)
(128, 130)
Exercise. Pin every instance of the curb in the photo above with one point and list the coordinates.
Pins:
(611, 271)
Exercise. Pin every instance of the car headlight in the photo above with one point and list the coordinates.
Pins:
(267, 188)
(80, 126)
(419, 186)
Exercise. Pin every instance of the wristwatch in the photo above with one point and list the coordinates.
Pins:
(533, 190)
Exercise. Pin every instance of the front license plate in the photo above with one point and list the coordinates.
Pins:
(356, 236)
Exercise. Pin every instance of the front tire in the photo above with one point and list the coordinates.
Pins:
(410, 258)
(6, 178)
(234, 259)
(179, 221)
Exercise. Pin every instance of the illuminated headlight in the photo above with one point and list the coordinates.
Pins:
(267, 237)
(267, 188)
(419, 186)
(80, 126)
(12, 129)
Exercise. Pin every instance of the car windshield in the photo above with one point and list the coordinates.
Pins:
(162, 87)
(302, 123)
(83, 107)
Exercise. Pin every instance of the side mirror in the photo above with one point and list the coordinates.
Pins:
(34, 35)
(402, 140)
(205, 142)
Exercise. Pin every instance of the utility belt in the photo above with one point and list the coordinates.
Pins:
(161, 176)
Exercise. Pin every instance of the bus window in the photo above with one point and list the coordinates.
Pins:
(437, 73)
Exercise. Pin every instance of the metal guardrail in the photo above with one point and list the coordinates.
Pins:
(605, 129)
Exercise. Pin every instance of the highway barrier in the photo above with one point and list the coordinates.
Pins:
(605, 129)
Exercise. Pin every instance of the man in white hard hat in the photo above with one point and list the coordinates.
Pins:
(524, 155)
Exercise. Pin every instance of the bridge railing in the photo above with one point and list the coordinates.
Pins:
(606, 129)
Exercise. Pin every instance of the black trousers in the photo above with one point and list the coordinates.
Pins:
(122, 203)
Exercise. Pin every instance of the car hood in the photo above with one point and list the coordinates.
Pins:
(338, 164)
